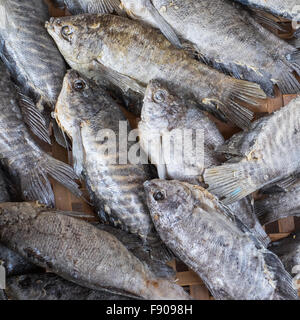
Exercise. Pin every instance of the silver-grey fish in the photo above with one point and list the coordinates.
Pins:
(166, 121)
(225, 36)
(289, 9)
(48, 286)
(28, 164)
(267, 153)
(14, 264)
(79, 252)
(31, 56)
(131, 54)
(278, 205)
(288, 250)
(209, 239)
(89, 116)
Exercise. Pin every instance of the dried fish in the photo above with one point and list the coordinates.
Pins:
(79, 252)
(267, 153)
(208, 238)
(130, 54)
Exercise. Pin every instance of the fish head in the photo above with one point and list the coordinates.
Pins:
(77, 101)
(168, 201)
(161, 109)
(77, 36)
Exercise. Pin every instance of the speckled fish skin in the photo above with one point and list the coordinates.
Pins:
(267, 153)
(134, 54)
(116, 189)
(24, 159)
(79, 252)
(48, 286)
(215, 29)
(288, 250)
(283, 8)
(163, 112)
(14, 264)
(208, 238)
(278, 205)
(29, 52)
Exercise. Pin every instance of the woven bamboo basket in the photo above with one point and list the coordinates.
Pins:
(186, 277)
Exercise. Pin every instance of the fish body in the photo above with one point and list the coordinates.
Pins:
(165, 115)
(209, 239)
(131, 54)
(265, 154)
(166, 121)
(30, 54)
(23, 158)
(79, 252)
(278, 205)
(89, 116)
(48, 286)
(213, 29)
(15, 264)
(288, 9)
(288, 250)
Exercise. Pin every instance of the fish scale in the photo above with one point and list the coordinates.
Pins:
(215, 244)
(116, 189)
(40, 71)
(80, 252)
(131, 54)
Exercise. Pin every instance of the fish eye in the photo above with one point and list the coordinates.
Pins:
(79, 85)
(159, 195)
(159, 96)
(66, 31)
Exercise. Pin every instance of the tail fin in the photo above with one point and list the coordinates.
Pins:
(284, 283)
(35, 184)
(285, 68)
(228, 183)
(242, 91)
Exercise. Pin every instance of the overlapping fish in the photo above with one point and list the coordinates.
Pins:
(267, 153)
(131, 54)
(32, 58)
(208, 238)
(48, 286)
(223, 35)
(181, 141)
(28, 164)
(80, 252)
(92, 119)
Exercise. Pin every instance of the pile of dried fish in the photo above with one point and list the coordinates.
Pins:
(173, 187)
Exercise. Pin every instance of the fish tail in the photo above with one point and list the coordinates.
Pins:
(241, 91)
(229, 182)
(285, 69)
(35, 184)
(285, 289)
